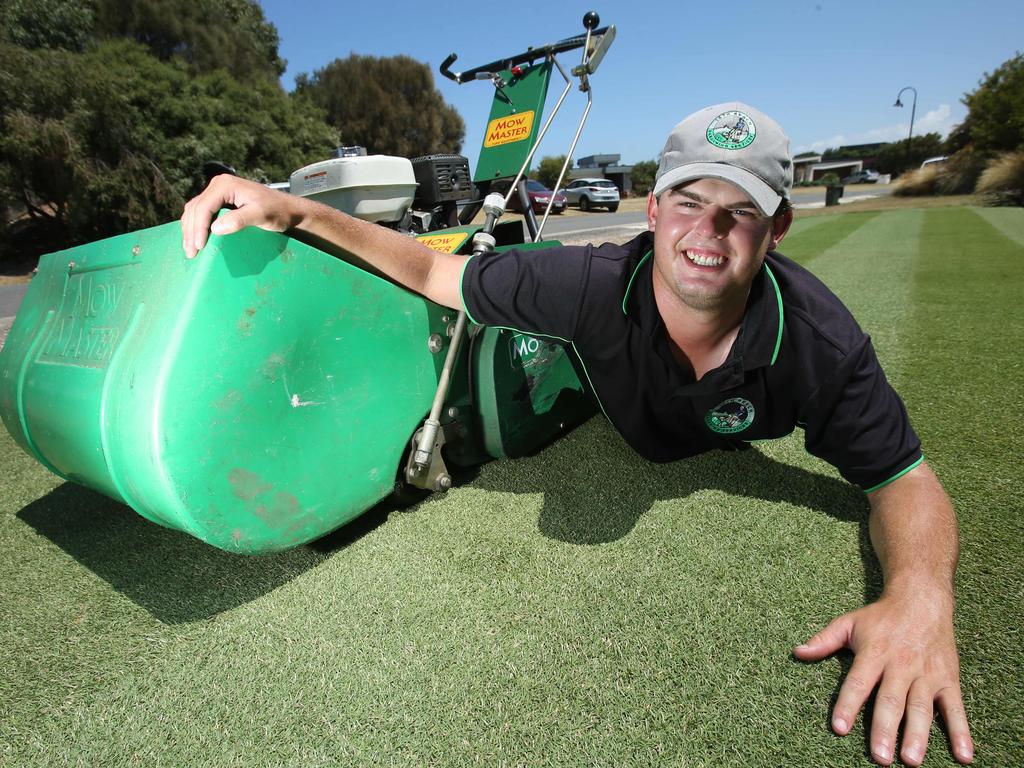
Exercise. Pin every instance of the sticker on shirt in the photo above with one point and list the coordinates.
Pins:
(732, 130)
(730, 416)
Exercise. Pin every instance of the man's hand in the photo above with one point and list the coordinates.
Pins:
(408, 262)
(906, 648)
(903, 643)
(255, 206)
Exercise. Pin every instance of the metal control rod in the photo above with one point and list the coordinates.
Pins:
(483, 242)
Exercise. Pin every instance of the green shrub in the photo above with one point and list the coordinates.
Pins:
(829, 179)
(1002, 181)
(923, 181)
(959, 174)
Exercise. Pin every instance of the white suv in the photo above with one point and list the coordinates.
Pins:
(588, 193)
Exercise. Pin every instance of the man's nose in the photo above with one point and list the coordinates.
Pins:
(714, 222)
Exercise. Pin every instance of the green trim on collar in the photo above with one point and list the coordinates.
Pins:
(462, 298)
(897, 476)
(778, 297)
(632, 278)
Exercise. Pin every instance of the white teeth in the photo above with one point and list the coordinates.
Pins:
(702, 260)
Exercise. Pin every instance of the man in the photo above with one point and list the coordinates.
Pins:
(717, 341)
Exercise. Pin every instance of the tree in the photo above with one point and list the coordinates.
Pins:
(388, 105)
(208, 34)
(995, 117)
(893, 157)
(64, 24)
(548, 170)
(113, 139)
(643, 176)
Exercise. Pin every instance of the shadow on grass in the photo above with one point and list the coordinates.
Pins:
(595, 488)
(173, 576)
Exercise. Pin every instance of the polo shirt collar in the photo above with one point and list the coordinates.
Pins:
(760, 336)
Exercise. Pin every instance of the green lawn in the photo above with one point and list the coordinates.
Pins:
(576, 608)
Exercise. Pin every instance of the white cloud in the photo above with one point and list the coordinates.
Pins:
(939, 120)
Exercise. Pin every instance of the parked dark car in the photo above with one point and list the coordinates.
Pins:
(539, 196)
(591, 193)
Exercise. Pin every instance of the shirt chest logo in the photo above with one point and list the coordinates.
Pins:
(730, 416)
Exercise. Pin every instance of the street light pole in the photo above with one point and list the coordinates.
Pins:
(913, 110)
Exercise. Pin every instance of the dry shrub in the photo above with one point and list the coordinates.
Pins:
(1002, 181)
(917, 183)
(959, 174)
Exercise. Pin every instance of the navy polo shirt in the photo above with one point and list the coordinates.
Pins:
(799, 360)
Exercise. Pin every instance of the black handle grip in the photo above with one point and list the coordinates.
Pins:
(447, 63)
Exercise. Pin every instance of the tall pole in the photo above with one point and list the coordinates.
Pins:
(913, 110)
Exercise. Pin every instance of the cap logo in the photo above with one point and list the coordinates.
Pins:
(732, 130)
(730, 416)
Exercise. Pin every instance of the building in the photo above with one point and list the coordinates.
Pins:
(604, 167)
(841, 161)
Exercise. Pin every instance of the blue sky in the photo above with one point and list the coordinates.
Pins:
(828, 71)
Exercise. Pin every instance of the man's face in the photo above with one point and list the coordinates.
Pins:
(709, 242)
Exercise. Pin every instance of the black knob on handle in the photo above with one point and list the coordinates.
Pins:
(591, 20)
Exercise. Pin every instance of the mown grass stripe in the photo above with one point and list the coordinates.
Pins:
(806, 241)
(963, 383)
(802, 224)
(1009, 221)
(871, 271)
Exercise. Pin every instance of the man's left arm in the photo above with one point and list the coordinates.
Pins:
(903, 643)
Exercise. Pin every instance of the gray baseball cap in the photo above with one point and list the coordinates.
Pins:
(733, 142)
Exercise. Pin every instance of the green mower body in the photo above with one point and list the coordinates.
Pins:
(259, 395)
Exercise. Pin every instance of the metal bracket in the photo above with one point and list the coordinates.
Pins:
(434, 476)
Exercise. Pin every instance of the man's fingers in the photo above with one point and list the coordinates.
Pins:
(832, 638)
(917, 723)
(199, 212)
(951, 705)
(195, 224)
(230, 222)
(890, 702)
(856, 688)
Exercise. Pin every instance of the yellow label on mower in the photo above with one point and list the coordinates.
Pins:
(444, 243)
(508, 130)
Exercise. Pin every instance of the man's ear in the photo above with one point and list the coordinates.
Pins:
(652, 211)
(780, 226)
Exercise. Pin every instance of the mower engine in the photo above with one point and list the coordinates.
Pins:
(420, 195)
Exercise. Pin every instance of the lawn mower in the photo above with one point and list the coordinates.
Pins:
(267, 393)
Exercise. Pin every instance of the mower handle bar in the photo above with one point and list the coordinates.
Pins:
(485, 71)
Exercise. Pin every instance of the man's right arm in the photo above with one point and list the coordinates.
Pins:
(402, 259)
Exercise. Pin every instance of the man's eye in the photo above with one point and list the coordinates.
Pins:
(742, 212)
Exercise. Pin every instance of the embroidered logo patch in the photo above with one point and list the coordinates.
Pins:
(732, 130)
(730, 416)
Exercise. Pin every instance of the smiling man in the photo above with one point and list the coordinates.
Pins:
(697, 335)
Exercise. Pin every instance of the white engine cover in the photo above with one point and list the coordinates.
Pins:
(374, 187)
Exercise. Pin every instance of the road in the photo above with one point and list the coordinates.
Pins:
(10, 298)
